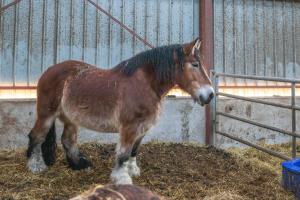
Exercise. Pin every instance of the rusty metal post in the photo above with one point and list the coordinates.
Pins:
(206, 34)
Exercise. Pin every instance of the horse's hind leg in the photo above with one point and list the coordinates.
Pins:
(75, 158)
(42, 144)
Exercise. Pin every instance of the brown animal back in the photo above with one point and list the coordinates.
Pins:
(51, 83)
(118, 192)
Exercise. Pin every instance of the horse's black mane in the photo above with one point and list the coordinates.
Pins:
(162, 59)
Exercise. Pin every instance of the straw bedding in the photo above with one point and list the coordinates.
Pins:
(176, 171)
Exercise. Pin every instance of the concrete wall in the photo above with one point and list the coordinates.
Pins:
(181, 121)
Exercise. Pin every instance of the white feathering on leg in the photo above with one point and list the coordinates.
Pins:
(133, 169)
(36, 162)
(120, 176)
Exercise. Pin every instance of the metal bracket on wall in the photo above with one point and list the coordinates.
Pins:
(2, 9)
(135, 35)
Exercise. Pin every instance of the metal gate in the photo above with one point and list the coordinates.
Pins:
(293, 107)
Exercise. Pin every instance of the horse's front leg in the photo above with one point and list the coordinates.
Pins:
(133, 168)
(120, 173)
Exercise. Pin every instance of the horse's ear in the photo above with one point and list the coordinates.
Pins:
(191, 47)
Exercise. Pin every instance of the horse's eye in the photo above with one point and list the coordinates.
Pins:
(195, 64)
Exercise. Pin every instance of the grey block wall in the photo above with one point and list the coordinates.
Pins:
(181, 120)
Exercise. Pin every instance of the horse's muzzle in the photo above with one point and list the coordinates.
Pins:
(203, 101)
(204, 95)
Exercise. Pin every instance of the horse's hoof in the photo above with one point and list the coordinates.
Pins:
(83, 163)
(36, 164)
(120, 177)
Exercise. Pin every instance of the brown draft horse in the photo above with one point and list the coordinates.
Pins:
(124, 99)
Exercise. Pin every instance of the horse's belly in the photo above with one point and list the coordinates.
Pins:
(99, 125)
(102, 122)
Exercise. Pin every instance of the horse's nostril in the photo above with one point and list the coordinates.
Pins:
(211, 95)
(201, 98)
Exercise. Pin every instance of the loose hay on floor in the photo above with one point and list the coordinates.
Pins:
(176, 171)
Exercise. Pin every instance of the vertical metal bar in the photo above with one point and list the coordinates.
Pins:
(170, 22)
(97, 39)
(43, 36)
(296, 25)
(283, 34)
(234, 37)
(213, 113)
(146, 21)
(244, 39)
(293, 101)
(255, 38)
(215, 104)
(122, 30)
(265, 35)
(193, 3)
(157, 21)
(84, 30)
(56, 43)
(224, 37)
(71, 29)
(110, 33)
(1, 13)
(181, 22)
(274, 40)
(134, 26)
(1, 39)
(29, 42)
(15, 43)
(294, 42)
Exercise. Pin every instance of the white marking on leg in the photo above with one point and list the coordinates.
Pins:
(120, 176)
(36, 162)
(133, 169)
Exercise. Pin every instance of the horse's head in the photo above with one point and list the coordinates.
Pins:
(193, 78)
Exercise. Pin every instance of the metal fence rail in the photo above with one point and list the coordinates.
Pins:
(292, 107)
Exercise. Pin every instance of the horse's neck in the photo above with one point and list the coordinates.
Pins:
(161, 89)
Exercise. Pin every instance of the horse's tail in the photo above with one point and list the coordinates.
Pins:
(49, 146)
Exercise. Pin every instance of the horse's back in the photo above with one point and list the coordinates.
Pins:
(60, 72)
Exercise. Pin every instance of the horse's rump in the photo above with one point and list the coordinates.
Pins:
(77, 92)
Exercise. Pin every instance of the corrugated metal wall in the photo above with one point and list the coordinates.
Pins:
(34, 34)
(257, 37)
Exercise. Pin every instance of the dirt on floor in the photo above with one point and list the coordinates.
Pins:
(176, 171)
